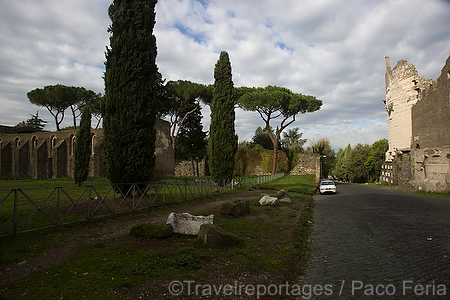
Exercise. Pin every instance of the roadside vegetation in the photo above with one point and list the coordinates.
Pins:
(443, 195)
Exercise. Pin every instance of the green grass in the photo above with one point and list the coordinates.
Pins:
(304, 184)
(17, 248)
(434, 194)
(45, 203)
(444, 195)
(275, 242)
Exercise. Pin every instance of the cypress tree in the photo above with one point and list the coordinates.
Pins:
(82, 151)
(222, 143)
(131, 85)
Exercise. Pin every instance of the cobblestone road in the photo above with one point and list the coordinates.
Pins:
(372, 243)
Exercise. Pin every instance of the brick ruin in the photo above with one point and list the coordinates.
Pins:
(308, 164)
(418, 112)
(43, 154)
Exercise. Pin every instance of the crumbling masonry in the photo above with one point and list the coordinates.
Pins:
(43, 155)
(418, 112)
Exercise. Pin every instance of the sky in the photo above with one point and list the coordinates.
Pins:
(331, 49)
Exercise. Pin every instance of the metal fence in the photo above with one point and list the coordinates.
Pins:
(23, 210)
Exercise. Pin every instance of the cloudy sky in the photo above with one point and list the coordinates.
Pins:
(331, 49)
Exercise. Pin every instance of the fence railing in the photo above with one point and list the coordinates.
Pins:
(28, 209)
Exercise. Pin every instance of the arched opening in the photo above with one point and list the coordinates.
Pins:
(53, 141)
(93, 141)
(34, 141)
(72, 139)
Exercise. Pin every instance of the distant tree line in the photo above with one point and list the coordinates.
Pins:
(362, 163)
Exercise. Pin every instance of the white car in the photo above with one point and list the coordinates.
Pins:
(327, 186)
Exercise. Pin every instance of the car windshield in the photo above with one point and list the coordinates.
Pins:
(327, 183)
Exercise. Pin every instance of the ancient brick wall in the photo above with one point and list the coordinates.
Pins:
(425, 164)
(431, 116)
(307, 164)
(187, 168)
(431, 135)
(431, 169)
(51, 154)
(387, 173)
(403, 86)
(164, 154)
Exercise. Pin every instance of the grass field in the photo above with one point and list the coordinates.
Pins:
(30, 204)
(275, 243)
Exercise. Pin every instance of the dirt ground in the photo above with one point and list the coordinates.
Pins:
(103, 230)
(109, 228)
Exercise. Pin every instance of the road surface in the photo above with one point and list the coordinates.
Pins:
(378, 243)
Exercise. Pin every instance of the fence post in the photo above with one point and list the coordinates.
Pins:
(164, 193)
(16, 213)
(57, 207)
(89, 201)
(134, 195)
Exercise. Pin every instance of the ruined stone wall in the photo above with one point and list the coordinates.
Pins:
(431, 135)
(398, 171)
(185, 168)
(426, 163)
(403, 86)
(402, 170)
(164, 154)
(432, 169)
(46, 154)
(307, 164)
(431, 116)
(51, 154)
(387, 173)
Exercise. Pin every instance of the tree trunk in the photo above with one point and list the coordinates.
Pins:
(56, 121)
(74, 117)
(275, 158)
(274, 140)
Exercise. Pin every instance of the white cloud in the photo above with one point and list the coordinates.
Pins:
(332, 49)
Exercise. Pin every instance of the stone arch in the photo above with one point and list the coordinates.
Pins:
(72, 139)
(94, 139)
(16, 142)
(53, 141)
(61, 160)
(34, 141)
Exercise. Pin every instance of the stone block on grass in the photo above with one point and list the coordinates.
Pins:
(186, 223)
(212, 236)
(282, 194)
(268, 200)
(236, 208)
